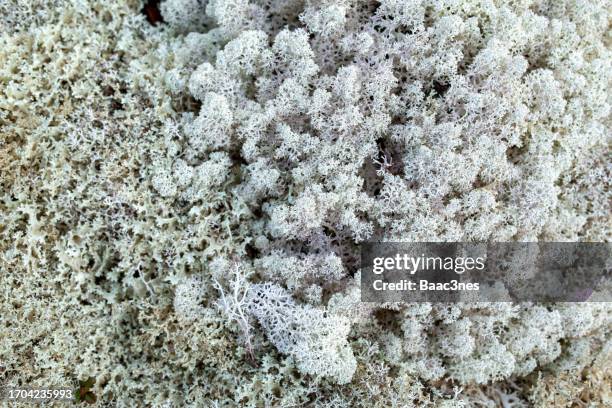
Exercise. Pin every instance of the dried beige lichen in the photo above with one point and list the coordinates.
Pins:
(141, 165)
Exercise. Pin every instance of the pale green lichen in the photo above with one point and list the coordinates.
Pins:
(182, 204)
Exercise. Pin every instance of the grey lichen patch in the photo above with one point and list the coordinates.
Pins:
(182, 203)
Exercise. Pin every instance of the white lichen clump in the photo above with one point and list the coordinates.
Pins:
(182, 204)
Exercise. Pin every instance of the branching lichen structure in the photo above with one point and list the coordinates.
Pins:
(185, 186)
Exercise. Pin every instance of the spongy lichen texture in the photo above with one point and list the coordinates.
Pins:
(182, 203)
